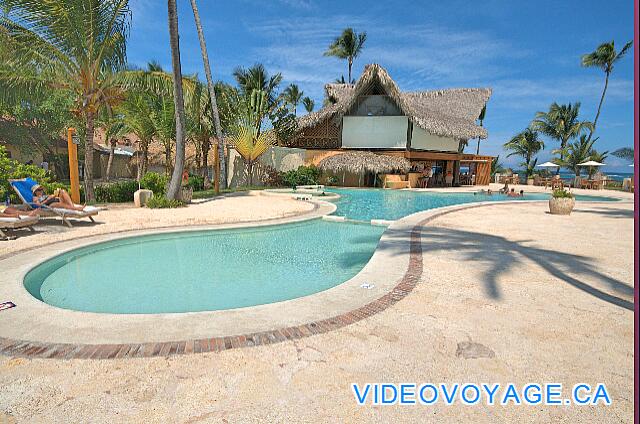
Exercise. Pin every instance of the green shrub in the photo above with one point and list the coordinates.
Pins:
(196, 182)
(562, 194)
(117, 192)
(161, 202)
(304, 175)
(155, 182)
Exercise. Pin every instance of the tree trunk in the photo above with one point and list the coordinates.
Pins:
(175, 184)
(478, 148)
(112, 153)
(145, 157)
(212, 95)
(350, 64)
(206, 146)
(604, 91)
(88, 160)
(167, 160)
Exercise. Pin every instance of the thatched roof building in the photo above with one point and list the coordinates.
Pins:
(375, 115)
(446, 113)
(362, 162)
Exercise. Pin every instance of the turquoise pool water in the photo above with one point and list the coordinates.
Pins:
(367, 204)
(205, 270)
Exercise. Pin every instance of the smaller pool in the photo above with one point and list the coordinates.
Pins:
(367, 204)
(205, 270)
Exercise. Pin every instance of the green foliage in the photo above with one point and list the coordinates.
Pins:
(332, 180)
(624, 153)
(496, 166)
(561, 123)
(526, 145)
(117, 192)
(161, 202)
(562, 194)
(155, 182)
(196, 182)
(304, 175)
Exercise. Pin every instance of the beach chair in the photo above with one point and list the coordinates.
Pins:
(23, 187)
(14, 223)
(395, 181)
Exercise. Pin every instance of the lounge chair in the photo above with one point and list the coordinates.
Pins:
(13, 223)
(395, 181)
(23, 188)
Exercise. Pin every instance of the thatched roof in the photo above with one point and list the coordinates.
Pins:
(447, 113)
(358, 162)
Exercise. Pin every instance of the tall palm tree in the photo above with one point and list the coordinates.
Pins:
(526, 144)
(292, 95)
(309, 104)
(114, 129)
(256, 78)
(483, 112)
(347, 46)
(173, 192)
(604, 58)
(561, 123)
(73, 45)
(214, 104)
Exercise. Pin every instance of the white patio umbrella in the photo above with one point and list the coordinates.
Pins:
(548, 165)
(591, 163)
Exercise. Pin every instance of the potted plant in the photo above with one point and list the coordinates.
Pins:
(530, 179)
(561, 202)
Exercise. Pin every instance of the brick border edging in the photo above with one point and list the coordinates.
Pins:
(27, 349)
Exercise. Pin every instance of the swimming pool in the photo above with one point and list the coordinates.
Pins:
(205, 270)
(366, 204)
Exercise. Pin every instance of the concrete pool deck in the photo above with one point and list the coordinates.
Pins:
(546, 302)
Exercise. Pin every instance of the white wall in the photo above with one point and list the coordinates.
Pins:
(389, 132)
(421, 139)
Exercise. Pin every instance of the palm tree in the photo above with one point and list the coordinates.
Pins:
(496, 166)
(173, 192)
(257, 78)
(292, 95)
(481, 119)
(561, 123)
(309, 104)
(347, 46)
(221, 171)
(624, 153)
(114, 129)
(604, 57)
(575, 153)
(74, 45)
(526, 145)
(200, 123)
(137, 120)
(250, 143)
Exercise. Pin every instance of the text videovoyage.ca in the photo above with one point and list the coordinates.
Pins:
(475, 394)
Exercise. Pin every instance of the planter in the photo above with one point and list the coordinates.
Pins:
(561, 205)
(530, 181)
(187, 194)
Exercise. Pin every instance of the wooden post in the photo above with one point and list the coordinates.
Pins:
(73, 166)
(216, 160)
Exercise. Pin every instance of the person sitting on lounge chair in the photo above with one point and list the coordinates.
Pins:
(59, 199)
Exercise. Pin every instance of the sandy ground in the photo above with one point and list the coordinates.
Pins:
(243, 207)
(547, 296)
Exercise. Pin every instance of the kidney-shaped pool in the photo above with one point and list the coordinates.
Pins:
(205, 270)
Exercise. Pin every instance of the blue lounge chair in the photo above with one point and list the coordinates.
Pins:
(23, 188)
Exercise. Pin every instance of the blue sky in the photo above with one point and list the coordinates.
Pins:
(527, 52)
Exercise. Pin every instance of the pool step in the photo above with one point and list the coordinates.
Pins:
(381, 222)
(334, 218)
